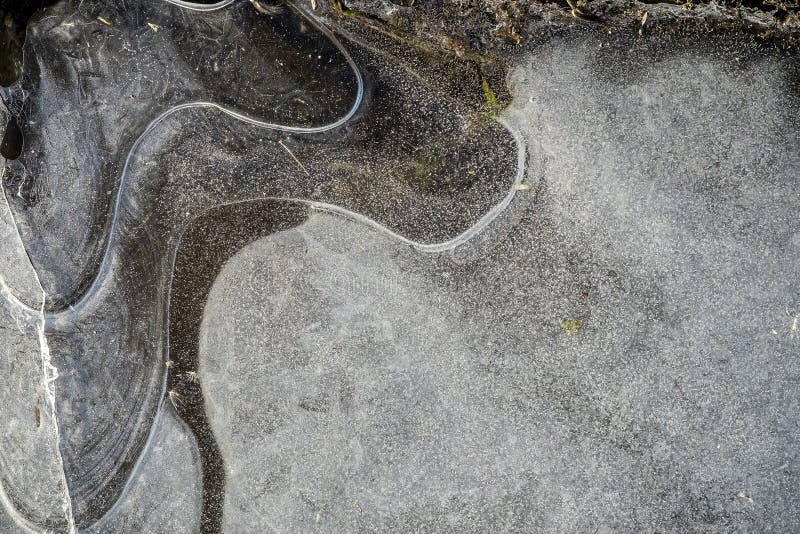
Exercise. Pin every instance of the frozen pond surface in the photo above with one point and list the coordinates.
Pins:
(615, 350)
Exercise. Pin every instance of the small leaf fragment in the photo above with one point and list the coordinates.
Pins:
(571, 326)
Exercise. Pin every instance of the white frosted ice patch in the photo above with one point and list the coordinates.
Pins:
(165, 492)
(342, 392)
(32, 486)
(16, 270)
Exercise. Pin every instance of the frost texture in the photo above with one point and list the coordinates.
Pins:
(395, 391)
(338, 376)
(162, 114)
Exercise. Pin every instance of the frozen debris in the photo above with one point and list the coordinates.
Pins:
(794, 322)
(571, 326)
(265, 9)
(577, 13)
(174, 398)
(191, 376)
(286, 148)
(492, 105)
